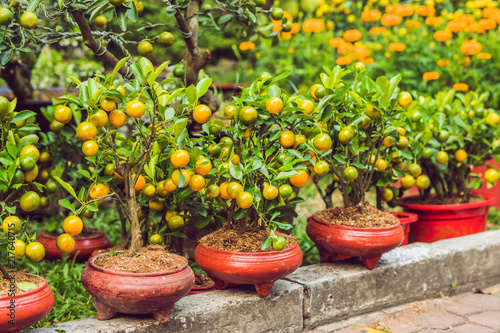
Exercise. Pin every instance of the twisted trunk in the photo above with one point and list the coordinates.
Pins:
(18, 79)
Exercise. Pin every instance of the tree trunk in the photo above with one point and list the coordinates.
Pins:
(195, 58)
(18, 79)
(135, 227)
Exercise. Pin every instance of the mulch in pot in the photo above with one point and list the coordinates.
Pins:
(18, 277)
(442, 200)
(202, 280)
(153, 258)
(371, 218)
(249, 241)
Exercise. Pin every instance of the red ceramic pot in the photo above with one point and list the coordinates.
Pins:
(199, 290)
(261, 269)
(333, 240)
(405, 219)
(136, 293)
(30, 307)
(83, 245)
(437, 222)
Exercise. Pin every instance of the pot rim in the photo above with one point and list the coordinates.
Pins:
(348, 227)
(260, 254)
(29, 292)
(409, 217)
(490, 200)
(100, 233)
(92, 264)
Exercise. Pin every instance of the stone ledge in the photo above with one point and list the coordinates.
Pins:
(322, 294)
(338, 291)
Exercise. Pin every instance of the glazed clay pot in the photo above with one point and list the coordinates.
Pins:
(30, 307)
(406, 219)
(83, 245)
(437, 222)
(199, 290)
(261, 269)
(333, 240)
(136, 293)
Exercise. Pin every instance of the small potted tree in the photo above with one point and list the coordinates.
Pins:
(461, 133)
(126, 168)
(255, 164)
(362, 121)
(61, 156)
(24, 298)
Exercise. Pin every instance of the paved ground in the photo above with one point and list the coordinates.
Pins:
(465, 313)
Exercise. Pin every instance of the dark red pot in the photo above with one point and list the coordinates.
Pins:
(199, 290)
(30, 307)
(333, 240)
(261, 269)
(83, 245)
(136, 293)
(405, 219)
(437, 222)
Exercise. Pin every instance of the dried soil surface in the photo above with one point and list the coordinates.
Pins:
(201, 280)
(18, 277)
(372, 217)
(153, 258)
(440, 200)
(249, 241)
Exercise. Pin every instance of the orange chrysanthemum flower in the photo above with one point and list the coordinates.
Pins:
(404, 10)
(352, 35)
(430, 76)
(295, 28)
(455, 26)
(460, 87)
(470, 47)
(371, 15)
(484, 55)
(434, 21)
(313, 25)
(391, 20)
(442, 63)
(361, 53)
(443, 36)
(490, 12)
(377, 30)
(245, 46)
(336, 42)
(413, 24)
(397, 47)
(487, 24)
(343, 61)
(345, 48)
(368, 61)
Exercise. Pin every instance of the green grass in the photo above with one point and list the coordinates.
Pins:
(493, 218)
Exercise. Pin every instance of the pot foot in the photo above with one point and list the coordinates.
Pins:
(263, 289)
(104, 312)
(163, 315)
(219, 284)
(371, 262)
(325, 256)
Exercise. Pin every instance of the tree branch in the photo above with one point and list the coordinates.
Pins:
(95, 46)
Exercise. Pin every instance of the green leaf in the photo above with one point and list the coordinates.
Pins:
(25, 286)
(191, 94)
(20, 116)
(236, 172)
(286, 174)
(66, 204)
(274, 91)
(67, 187)
(119, 65)
(121, 17)
(266, 242)
(203, 86)
(179, 126)
(12, 149)
(152, 77)
(177, 234)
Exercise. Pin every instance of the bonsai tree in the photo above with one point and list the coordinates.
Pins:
(138, 156)
(360, 133)
(461, 133)
(257, 160)
(111, 29)
(19, 192)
